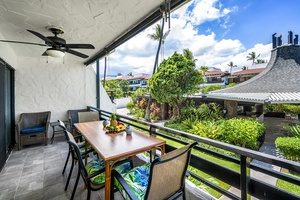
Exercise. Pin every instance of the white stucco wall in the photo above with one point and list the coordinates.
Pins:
(7, 54)
(56, 86)
(105, 102)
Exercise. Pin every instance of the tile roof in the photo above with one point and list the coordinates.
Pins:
(248, 71)
(274, 98)
(280, 79)
(214, 72)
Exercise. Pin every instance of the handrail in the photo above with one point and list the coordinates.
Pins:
(239, 179)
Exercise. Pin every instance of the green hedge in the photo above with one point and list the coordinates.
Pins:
(289, 147)
(239, 132)
(242, 132)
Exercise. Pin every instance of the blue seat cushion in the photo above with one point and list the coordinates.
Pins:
(137, 179)
(34, 129)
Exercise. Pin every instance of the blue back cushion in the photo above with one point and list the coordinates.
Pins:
(34, 129)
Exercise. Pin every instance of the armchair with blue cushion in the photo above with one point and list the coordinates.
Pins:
(32, 128)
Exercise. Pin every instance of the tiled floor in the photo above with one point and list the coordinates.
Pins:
(35, 172)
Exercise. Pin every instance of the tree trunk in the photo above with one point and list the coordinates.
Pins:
(163, 111)
(147, 115)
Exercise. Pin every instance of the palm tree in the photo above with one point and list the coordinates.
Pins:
(260, 61)
(244, 68)
(231, 65)
(252, 56)
(204, 69)
(156, 36)
(189, 55)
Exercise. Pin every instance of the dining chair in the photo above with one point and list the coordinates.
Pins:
(81, 145)
(61, 124)
(73, 118)
(89, 116)
(164, 178)
(93, 173)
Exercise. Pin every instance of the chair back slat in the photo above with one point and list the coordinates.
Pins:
(62, 125)
(167, 173)
(76, 152)
(70, 137)
(88, 116)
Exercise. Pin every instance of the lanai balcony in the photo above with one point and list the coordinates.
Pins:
(32, 83)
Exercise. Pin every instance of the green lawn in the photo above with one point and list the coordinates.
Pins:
(295, 189)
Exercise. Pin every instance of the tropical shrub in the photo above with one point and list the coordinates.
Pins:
(274, 108)
(293, 109)
(139, 113)
(242, 132)
(295, 130)
(289, 147)
(231, 85)
(155, 111)
(142, 104)
(208, 129)
(130, 105)
(211, 88)
(211, 111)
(189, 111)
(139, 92)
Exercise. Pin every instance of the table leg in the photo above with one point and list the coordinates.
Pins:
(52, 138)
(107, 180)
(163, 151)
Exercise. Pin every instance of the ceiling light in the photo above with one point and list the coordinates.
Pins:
(56, 53)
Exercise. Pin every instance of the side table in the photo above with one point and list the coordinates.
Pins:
(57, 129)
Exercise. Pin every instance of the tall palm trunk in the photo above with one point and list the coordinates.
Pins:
(147, 115)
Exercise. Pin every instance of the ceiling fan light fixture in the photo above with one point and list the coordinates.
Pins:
(56, 53)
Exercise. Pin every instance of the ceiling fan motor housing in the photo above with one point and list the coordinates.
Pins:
(57, 40)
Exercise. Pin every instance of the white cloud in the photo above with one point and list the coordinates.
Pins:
(240, 59)
(208, 10)
(138, 54)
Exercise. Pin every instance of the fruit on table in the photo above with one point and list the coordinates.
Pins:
(120, 127)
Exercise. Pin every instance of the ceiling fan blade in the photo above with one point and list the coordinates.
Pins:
(80, 46)
(41, 36)
(18, 42)
(76, 53)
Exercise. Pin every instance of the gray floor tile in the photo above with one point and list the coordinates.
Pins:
(9, 183)
(53, 176)
(36, 195)
(30, 183)
(35, 172)
(33, 169)
(7, 194)
(54, 190)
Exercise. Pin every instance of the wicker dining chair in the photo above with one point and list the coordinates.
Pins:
(93, 173)
(164, 178)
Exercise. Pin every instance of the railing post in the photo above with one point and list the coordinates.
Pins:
(153, 151)
(243, 178)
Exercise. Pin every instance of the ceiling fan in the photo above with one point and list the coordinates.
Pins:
(58, 46)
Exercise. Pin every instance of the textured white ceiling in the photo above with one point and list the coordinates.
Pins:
(98, 22)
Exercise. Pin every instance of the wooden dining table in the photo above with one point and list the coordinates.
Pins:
(112, 147)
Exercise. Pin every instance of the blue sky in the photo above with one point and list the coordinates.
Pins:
(216, 31)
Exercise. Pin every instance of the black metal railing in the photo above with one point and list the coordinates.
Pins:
(241, 179)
